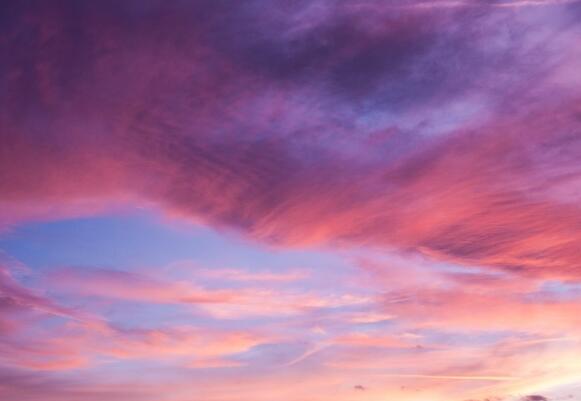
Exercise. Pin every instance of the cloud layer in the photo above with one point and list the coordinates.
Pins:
(443, 132)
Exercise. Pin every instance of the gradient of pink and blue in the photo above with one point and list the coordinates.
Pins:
(290, 200)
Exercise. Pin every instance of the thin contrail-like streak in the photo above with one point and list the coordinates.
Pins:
(453, 377)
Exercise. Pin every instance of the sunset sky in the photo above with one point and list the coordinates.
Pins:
(290, 200)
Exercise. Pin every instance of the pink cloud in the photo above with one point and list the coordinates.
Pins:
(135, 287)
(224, 303)
(198, 344)
(240, 275)
(17, 297)
(447, 133)
(367, 340)
(458, 310)
(142, 145)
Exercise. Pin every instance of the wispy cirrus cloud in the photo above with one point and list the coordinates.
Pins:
(223, 302)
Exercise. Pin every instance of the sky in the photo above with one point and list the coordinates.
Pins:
(290, 200)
